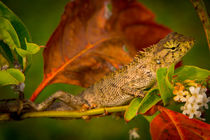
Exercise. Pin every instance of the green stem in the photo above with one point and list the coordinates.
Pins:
(73, 114)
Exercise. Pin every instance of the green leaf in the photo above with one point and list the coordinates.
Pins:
(191, 73)
(132, 109)
(18, 25)
(6, 53)
(165, 91)
(14, 35)
(8, 40)
(149, 100)
(3, 61)
(138, 105)
(150, 118)
(8, 34)
(31, 49)
(11, 76)
(169, 76)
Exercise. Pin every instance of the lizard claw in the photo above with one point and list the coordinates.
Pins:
(85, 107)
(92, 106)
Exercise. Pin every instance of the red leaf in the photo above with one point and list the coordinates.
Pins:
(175, 126)
(84, 24)
(151, 111)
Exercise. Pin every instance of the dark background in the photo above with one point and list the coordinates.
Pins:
(41, 18)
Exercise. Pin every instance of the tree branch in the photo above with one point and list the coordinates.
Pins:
(203, 15)
(64, 114)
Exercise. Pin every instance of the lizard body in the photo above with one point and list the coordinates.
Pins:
(132, 80)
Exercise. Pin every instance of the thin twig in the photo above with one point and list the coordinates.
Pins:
(203, 15)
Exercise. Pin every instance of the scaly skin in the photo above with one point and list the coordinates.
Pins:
(132, 80)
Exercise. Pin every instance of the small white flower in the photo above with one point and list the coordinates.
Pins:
(192, 112)
(194, 90)
(205, 102)
(191, 99)
(203, 90)
(133, 134)
(182, 108)
(192, 105)
(199, 98)
(198, 114)
(181, 96)
(183, 99)
(185, 112)
(177, 98)
(185, 96)
(195, 99)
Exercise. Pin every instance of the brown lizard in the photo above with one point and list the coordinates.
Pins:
(130, 81)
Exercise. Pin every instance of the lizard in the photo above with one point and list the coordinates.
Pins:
(132, 80)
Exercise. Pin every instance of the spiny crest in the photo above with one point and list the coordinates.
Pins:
(143, 53)
(135, 61)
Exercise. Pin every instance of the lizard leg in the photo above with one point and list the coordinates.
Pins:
(75, 102)
(133, 92)
(137, 87)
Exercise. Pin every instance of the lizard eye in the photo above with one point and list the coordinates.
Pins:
(158, 61)
(173, 48)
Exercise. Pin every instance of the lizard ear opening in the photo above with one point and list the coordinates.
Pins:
(158, 61)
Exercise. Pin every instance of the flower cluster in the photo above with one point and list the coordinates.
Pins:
(194, 96)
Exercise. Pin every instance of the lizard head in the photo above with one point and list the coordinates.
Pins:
(171, 49)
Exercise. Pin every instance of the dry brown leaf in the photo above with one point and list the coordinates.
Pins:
(87, 43)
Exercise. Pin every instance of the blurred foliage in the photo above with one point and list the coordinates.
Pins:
(41, 18)
(14, 38)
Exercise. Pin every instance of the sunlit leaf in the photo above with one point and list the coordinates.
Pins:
(132, 109)
(149, 100)
(169, 76)
(165, 91)
(3, 61)
(191, 73)
(13, 34)
(18, 25)
(141, 106)
(6, 53)
(8, 40)
(11, 76)
(8, 34)
(31, 49)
